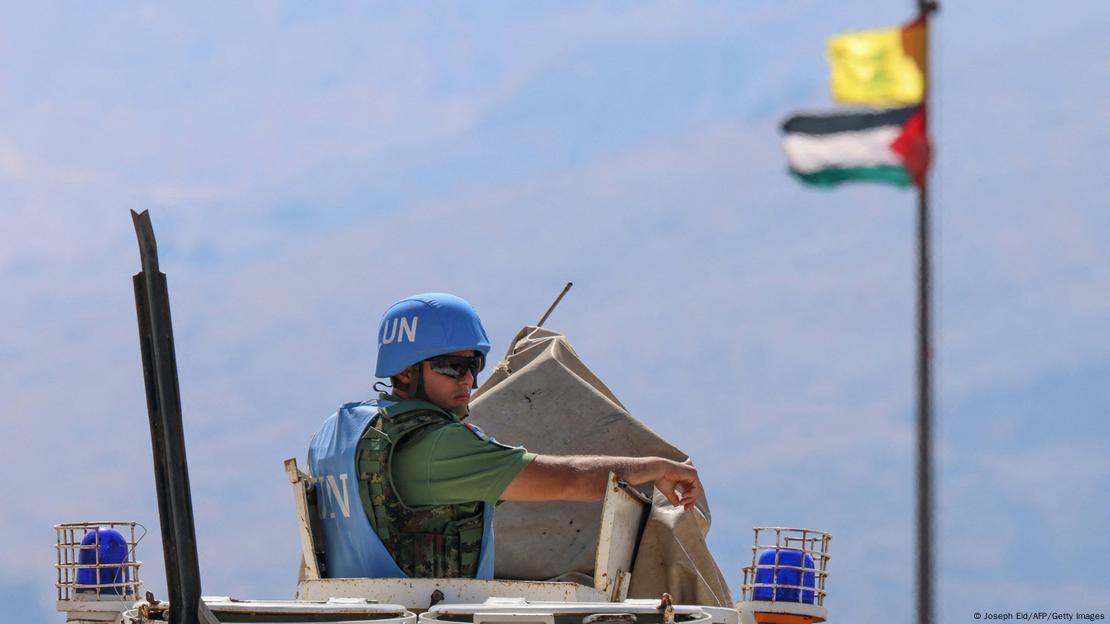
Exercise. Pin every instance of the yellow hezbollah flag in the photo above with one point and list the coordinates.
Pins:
(879, 67)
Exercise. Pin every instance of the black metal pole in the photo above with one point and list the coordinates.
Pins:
(924, 374)
(167, 436)
(924, 418)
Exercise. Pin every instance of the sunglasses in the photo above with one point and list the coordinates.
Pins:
(456, 366)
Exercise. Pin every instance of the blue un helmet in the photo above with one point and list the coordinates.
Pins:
(423, 326)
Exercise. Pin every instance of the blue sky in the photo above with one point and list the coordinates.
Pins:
(307, 165)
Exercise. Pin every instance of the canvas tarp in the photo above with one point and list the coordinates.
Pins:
(543, 397)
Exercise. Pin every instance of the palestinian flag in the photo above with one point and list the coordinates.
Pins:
(888, 146)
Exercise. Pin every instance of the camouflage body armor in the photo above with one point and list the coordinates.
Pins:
(438, 541)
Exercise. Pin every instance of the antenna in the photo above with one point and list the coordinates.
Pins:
(554, 303)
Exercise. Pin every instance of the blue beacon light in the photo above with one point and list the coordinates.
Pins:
(106, 547)
(793, 575)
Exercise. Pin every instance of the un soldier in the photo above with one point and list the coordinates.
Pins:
(405, 488)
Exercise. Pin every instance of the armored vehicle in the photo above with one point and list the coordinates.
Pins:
(631, 559)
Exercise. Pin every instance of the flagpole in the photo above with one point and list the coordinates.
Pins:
(924, 376)
(924, 418)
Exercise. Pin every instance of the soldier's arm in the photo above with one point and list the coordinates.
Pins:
(583, 478)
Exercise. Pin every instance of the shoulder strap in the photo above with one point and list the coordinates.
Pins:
(398, 420)
(403, 417)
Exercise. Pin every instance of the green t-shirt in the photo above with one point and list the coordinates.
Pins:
(454, 464)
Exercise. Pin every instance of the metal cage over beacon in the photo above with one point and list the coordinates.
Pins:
(787, 575)
(96, 561)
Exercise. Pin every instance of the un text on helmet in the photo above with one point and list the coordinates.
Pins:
(399, 329)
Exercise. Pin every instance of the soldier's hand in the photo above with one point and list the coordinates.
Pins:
(679, 483)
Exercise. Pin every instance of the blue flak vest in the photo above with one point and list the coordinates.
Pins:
(352, 547)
